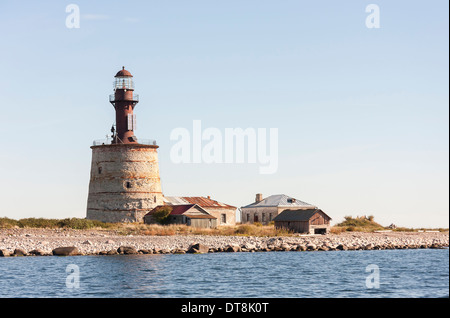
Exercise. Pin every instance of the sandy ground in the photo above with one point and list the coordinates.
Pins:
(96, 241)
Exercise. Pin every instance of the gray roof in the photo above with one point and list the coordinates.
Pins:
(280, 200)
(297, 215)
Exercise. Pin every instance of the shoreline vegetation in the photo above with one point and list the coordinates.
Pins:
(39, 236)
(350, 224)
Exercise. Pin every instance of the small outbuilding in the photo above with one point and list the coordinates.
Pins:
(224, 213)
(307, 221)
(189, 214)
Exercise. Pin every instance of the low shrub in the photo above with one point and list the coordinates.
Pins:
(7, 223)
(71, 223)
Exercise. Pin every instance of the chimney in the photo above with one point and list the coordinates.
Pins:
(259, 197)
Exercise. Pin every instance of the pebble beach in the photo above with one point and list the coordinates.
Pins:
(43, 242)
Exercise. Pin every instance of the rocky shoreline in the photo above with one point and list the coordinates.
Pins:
(61, 242)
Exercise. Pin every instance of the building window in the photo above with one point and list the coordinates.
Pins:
(263, 217)
(270, 217)
(128, 185)
(99, 170)
(223, 218)
(248, 217)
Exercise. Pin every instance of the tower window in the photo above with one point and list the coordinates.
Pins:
(128, 185)
(99, 170)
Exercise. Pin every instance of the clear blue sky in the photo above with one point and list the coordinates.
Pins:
(362, 113)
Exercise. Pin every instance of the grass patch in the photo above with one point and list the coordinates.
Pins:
(178, 229)
(368, 224)
(350, 224)
(42, 223)
(144, 229)
(357, 224)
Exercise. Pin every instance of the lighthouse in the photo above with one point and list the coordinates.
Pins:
(124, 181)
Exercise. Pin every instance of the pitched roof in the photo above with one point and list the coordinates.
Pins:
(183, 208)
(200, 201)
(280, 200)
(297, 215)
(176, 209)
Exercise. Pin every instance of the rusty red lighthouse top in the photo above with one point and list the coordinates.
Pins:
(124, 100)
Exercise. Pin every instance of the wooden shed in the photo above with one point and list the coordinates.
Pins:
(189, 214)
(307, 221)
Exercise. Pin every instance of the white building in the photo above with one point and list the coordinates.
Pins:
(265, 210)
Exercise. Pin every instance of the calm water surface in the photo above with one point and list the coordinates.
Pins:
(402, 273)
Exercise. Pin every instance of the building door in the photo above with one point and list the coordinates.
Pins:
(320, 231)
(255, 218)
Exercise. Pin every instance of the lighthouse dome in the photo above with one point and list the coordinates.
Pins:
(123, 73)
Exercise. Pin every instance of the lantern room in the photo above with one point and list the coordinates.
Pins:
(123, 80)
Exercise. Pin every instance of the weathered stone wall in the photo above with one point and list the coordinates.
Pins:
(258, 211)
(124, 183)
(217, 213)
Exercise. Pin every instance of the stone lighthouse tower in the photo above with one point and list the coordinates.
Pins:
(124, 183)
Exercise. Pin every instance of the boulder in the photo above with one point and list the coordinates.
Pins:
(232, 248)
(19, 252)
(37, 252)
(66, 251)
(144, 251)
(112, 252)
(127, 250)
(342, 247)
(285, 247)
(249, 246)
(311, 247)
(4, 253)
(198, 248)
(178, 251)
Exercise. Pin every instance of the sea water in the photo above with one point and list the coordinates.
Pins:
(331, 274)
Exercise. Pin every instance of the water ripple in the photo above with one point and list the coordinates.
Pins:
(403, 273)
